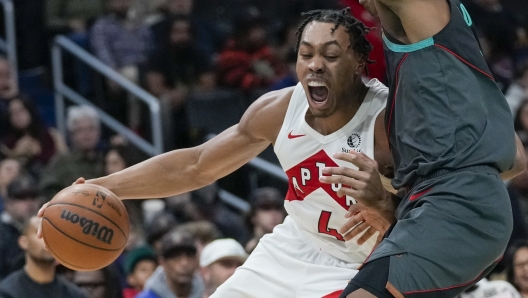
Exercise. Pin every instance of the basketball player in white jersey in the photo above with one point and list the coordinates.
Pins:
(330, 113)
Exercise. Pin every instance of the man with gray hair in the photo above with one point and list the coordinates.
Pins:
(84, 158)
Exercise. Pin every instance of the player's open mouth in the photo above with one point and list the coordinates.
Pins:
(318, 91)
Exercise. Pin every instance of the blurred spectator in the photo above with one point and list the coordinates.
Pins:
(65, 16)
(491, 289)
(28, 139)
(521, 120)
(290, 76)
(117, 158)
(518, 90)
(498, 28)
(174, 71)
(7, 91)
(102, 283)
(267, 211)
(140, 263)
(74, 18)
(176, 277)
(517, 269)
(123, 44)
(148, 12)
(218, 261)
(206, 33)
(518, 191)
(9, 170)
(21, 202)
(248, 61)
(210, 207)
(38, 278)
(84, 159)
(203, 232)
(162, 223)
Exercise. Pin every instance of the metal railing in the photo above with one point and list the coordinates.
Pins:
(8, 45)
(62, 92)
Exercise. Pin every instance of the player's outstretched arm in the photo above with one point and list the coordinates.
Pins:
(184, 170)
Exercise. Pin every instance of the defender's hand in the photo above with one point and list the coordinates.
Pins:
(362, 219)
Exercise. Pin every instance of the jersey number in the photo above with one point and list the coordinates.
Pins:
(323, 226)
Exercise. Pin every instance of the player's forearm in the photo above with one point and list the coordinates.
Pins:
(158, 177)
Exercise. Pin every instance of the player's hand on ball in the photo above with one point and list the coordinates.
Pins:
(363, 219)
(40, 214)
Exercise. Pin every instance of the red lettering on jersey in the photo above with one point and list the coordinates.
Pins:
(323, 226)
(297, 191)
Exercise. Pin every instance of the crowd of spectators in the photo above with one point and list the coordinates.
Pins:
(182, 51)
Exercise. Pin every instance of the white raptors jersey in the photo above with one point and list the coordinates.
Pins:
(303, 153)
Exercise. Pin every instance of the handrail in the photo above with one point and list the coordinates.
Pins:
(62, 91)
(9, 44)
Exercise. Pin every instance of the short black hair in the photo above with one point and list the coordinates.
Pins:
(356, 30)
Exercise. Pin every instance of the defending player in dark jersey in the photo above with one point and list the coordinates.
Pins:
(452, 140)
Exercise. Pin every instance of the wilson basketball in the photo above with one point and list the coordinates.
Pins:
(85, 227)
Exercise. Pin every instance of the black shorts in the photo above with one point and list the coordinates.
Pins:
(373, 278)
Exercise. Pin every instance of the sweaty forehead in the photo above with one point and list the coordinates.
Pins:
(320, 33)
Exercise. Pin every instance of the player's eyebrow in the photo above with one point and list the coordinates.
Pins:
(324, 45)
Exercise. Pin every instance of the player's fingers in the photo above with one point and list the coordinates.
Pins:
(344, 171)
(360, 160)
(350, 223)
(358, 229)
(366, 236)
(79, 181)
(41, 211)
(354, 209)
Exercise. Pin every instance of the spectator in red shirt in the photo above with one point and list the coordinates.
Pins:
(248, 61)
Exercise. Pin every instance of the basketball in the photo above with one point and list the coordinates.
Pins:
(85, 227)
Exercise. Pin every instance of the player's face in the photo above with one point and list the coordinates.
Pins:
(327, 67)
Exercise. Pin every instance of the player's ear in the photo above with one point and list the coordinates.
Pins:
(23, 242)
(360, 67)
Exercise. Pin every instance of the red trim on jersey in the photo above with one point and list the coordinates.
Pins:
(394, 98)
(417, 195)
(333, 294)
(466, 62)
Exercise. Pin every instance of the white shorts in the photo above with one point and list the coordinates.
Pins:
(285, 265)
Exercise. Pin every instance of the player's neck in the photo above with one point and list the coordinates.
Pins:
(40, 272)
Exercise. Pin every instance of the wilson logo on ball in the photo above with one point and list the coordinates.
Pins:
(104, 233)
